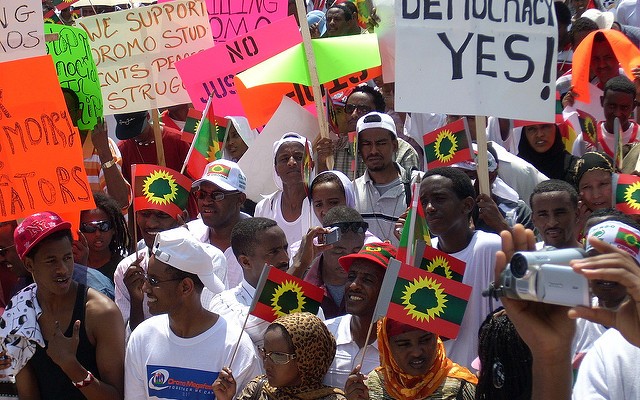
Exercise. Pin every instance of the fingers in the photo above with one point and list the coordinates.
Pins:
(76, 330)
(597, 315)
(83, 239)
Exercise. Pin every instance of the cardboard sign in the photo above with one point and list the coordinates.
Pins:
(41, 165)
(135, 51)
(76, 70)
(477, 58)
(212, 70)
(21, 29)
(386, 32)
(233, 18)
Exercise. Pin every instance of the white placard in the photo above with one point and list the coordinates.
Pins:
(21, 29)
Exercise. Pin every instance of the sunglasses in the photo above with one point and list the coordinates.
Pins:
(350, 108)
(215, 196)
(276, 356)
(356, 227)
(155, 282)
(4, 250)
(91, 227)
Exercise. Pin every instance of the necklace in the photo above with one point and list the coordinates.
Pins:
(375, 215)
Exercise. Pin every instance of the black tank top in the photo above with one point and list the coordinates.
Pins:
(52, 381)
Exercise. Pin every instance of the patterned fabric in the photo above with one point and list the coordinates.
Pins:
(450, 389)
(20, 330)
(95, 174)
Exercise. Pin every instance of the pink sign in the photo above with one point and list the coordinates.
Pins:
(231, 18)
(212, 71)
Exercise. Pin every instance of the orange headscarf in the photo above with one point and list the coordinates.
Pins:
(401, 385)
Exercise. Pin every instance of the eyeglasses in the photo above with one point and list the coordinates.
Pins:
(156, 282)
(3, 251)
(276, 356)
(350, 108)
(91, 227)
(356, 227)
(215, 196)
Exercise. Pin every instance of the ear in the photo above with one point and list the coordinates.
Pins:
(244, 262)
(242, 198)
(28, 265)
(468, 204)
(187, 286)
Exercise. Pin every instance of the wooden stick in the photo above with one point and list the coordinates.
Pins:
(51, 37)
(366, 342)
(157, 134)
(313, 75)
(483, 169)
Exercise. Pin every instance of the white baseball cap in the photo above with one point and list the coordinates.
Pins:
(376, 120)
(179, 249)
(225, 174)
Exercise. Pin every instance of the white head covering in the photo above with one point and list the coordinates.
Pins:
(347, 185)
(247, 134)
(286, 138)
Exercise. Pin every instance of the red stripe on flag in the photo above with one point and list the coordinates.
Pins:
(442, 327)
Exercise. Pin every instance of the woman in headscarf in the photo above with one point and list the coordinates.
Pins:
(541, 145)
(298, 350)
(413, 365)
(289, 205)
(592, 177)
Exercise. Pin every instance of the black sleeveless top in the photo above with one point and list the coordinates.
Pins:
(52, 381)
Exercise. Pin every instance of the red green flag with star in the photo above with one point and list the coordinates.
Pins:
(414, 229)
(279, 293)
(628, 239)
(627, 193)
(422, 299)
(448, 145)
(588, 127)
(159, 188)
(443, 264)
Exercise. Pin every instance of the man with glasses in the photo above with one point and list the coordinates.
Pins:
(180, 351)
(220, 195)
(362, 100)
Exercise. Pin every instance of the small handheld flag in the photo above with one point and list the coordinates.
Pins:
(415, 228)
(159, 188)
(443, 264)
(448, 145)
(626, 193)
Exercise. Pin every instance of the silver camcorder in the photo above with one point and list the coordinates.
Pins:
(545, 276)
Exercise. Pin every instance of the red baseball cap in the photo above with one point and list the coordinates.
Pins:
(36, 227)
(379, 253)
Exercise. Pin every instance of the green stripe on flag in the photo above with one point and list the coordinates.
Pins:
(419, 300)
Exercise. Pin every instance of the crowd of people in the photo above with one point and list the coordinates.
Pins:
(143, 302)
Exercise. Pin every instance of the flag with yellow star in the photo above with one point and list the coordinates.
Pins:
(448, 145)
(443, 264)
(159, 188)
(279, 293)
(209, 140)
(422, 299)
(626, 195)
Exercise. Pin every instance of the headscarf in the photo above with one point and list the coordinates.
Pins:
(553, 162)
(314, 347)
(248, 135)
(347, 186)
(287, 138)
(592, 161)
(401, 385)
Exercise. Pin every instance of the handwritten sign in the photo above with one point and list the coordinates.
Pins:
(136, 51)
(233, 18)
(76, 70)
(212, 71)
(21, 30)
(477, 58)
(41, 165)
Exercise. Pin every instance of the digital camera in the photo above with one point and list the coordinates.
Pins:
(545, 276)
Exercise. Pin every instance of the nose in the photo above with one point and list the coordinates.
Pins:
(146, 286)
(292, 161)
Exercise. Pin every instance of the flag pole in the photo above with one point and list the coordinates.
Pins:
(157, 134)
(313, 75)
(482, 162)
(410, 256)
(195, 137)
(617, 134)
(235, 348)
(133, 220)
(366, 342)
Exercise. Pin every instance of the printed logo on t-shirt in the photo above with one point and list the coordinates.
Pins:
(177, 383)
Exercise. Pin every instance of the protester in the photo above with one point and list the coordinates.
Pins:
(106, 232)
(342, 20)
(64, 339)
(239, 137)
(554, 207)
(542, 146)
(413, 365)
(195, 343)
(175, 117)
(592, 177)
(10, 276)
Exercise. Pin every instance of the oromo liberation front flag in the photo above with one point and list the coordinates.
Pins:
(279, 293)
(208, 142)
(443, 264)
(448, 145)
(422, 299)
(159, 188)
(415, 229)
(626, 193)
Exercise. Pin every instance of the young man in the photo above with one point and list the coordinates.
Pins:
(66, 341)
(447, 197)
(180, 351)
(365, 272)
(554, 206)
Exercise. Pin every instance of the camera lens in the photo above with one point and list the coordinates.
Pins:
(519, 265)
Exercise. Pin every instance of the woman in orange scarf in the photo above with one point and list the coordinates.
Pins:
(413, 365)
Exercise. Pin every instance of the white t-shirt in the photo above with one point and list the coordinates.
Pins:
(629, 136)
(609, 370)
(271, 207)
(161, 365)
(480, 256)
(628, 13)
(348, 354)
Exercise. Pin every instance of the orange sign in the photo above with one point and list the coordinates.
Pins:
(41, 166)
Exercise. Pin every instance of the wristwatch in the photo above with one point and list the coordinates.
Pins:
(109, 163)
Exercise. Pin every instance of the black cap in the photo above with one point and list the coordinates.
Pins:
(130, 125)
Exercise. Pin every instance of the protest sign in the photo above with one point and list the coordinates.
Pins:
(386, 31)
(229, 18)
(477, 58)
(212, 70)
(289, 117)
(135, 51)
(21, 30)
(41, 166)
(76, 70)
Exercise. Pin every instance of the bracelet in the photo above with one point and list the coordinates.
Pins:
(85, 382)
(109, 164)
